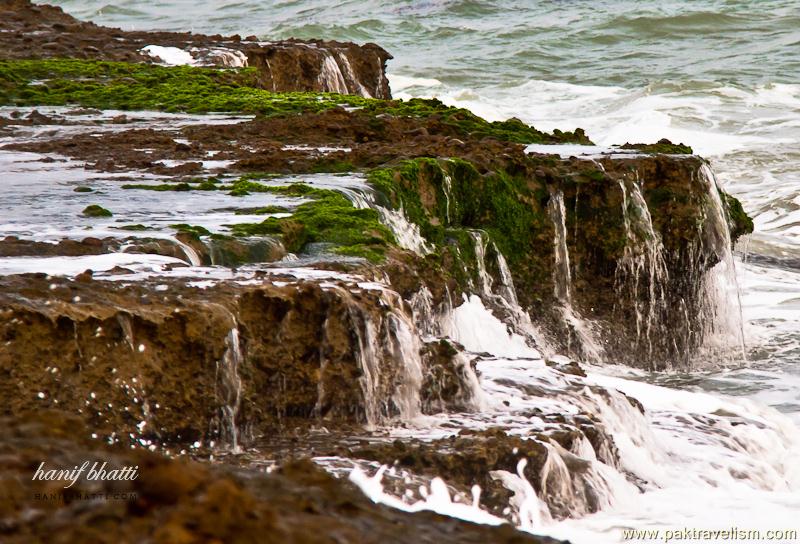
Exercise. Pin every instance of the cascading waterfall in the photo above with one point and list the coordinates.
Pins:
(484, 279)
(648, 451)
(447, 187)
(562, 280)
(389, 356)
(507, 289)
(721, 313)
(406, 233)
(504, 296)
(423, 312)
(348, 69)
(330, 75)
(405, 347)
(641, 273)
(191, 255)
(230, 387)
(637, 451)
(370, 366)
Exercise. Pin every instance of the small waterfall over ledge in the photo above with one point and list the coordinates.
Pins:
(633, 453)
(562, 278)
(588, 347)
(230, 388)
(338, 76)
(330, 75)
(660, 287)
(388, 354)
(641, 275)
(721, 304)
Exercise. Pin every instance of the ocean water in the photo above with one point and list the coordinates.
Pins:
(722, 76)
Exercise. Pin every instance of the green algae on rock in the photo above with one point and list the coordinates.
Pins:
(132, 86)
(193, 230)
(329, 218)
(662, 146)
(742, 223)
(137, 227)
(449, 198)
(95, 210)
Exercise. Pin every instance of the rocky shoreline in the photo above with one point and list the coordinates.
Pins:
(266, 266)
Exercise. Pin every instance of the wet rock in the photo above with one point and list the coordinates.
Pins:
(446, 382)
(238, 251)
(288, 65)
(487, 457)
(566, 366)
(12, 246)
(176, 500)
(130, 359)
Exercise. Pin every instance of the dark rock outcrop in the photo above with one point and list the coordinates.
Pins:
(157, 364)
(179, 501)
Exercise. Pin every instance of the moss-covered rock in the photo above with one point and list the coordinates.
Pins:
(741, 223)
(329, 218)
(95, 210)
(131, 86)
(662, 146)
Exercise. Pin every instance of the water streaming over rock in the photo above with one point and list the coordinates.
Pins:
(348, 70)
(721, 314)
(641, 274)
(330, 76)
(447, 188)
(389, 357)
(191, 254)
(406, 233)
(588, 347)
(562, 277)
(507, 289)
(230, 388)
(484, 279)
(405, 348)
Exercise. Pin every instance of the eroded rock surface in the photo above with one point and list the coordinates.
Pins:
(174, 501)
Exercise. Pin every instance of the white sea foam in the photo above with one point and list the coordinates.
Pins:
(479, 331)
(702, 460)
(400, 83)
(171, 56)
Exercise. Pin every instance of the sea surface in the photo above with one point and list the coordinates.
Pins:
(722, 76)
